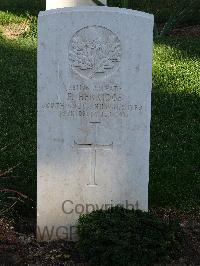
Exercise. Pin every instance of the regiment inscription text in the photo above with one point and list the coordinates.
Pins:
(99, 101)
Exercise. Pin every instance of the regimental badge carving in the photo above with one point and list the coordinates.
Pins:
(94, 52)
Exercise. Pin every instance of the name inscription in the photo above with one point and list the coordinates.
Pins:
(100, 101)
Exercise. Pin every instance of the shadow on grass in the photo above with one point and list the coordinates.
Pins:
(19, 7)
(18, 119)
(175, 151)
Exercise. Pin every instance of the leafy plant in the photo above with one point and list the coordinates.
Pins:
(126, 237)
(177, 11)
(182, 9)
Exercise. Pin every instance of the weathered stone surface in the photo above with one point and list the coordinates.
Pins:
(94, 109)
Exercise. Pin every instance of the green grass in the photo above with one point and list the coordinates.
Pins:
(18, 111)
(175, 137)
(8, 17)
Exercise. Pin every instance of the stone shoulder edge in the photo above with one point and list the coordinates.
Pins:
(97, 9)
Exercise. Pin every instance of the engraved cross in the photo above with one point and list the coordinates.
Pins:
(94, 147)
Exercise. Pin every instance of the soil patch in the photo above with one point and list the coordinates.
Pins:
(14, 30)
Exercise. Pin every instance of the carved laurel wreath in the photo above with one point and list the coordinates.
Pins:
(94, 56)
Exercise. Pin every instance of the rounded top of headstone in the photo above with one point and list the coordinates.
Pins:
(99, 9)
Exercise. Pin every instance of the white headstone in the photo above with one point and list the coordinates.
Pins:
(94, 109)
(103, 2)
(53, 4)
